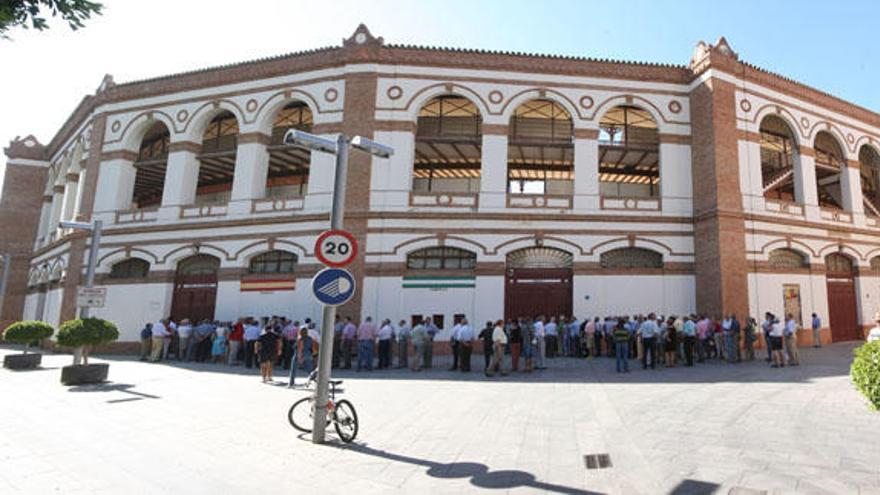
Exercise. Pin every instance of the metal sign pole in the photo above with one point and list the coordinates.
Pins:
(97, 227)
(7, 260)
(325, 351)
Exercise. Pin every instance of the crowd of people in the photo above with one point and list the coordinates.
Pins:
(518, 344)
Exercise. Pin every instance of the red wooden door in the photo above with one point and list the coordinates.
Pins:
(538, 291)
(195, 289)
(842, 315)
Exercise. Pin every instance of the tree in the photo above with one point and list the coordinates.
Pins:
(29, 13)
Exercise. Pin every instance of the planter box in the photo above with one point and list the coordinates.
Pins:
(22, 361)
(84, 374)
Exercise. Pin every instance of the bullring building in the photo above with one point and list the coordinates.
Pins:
(520, 184)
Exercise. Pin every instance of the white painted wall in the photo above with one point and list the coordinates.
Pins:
(296, 305)
(626, 295)
(130, 306)
(765, 294)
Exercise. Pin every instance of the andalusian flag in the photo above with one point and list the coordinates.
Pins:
(435, 282)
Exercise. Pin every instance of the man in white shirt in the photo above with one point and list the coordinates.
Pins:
(499, 340)
(776, 333)
(540, 343)
(465, 339)
(403, 334)
(251, 334)
(184, 342)
(453, 342)
(649, 332)
(159, 334)
(384, 337)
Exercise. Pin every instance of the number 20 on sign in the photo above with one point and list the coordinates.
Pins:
(336, 248)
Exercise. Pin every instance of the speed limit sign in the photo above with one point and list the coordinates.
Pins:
(336, 248)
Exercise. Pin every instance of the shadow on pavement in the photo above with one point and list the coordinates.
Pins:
(480, 475)
(694, 487)
(125, 388)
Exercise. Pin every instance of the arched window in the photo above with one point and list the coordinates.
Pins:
(540, 257)
(448, 146)
(540, 151)
(778, 150)
(441, 258)
(130, 268)
(217, 160)
(839, 264)
(629, 153)
(289, 165)
(787, 258)
(875, 264)
(829, 164)
(631, 257)
(869, 171)
(278, 262)
(152, 160)
(199, 264)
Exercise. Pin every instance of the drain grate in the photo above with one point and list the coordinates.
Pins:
(597, 461)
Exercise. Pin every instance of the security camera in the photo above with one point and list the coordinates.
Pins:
(310, 141)
(372, 147)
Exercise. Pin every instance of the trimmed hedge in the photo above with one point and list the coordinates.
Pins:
(86, 331)
(865, 372)
(28, 331)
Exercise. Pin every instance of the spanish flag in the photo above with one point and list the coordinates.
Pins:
(268, 284)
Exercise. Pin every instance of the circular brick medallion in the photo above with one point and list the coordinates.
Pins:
(850, 139)
(496, 96)
(182, 115)
(394, 92)
(674, 106)
(586, 102)
(251, 105)
(330, 95)
(746, 105)
(115, 126)
(805, 122)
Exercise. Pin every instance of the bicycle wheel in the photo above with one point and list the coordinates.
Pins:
(300, 414)
(345, 421)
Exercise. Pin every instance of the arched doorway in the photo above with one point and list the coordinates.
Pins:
(195, 288)
(538, 282)
(842, 316)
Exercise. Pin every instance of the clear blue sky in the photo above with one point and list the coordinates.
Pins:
(823, 44)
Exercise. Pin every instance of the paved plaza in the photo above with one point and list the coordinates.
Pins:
(186, 428)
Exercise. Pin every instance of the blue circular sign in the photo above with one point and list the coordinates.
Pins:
(333, 286)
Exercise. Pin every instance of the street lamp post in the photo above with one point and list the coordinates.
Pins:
(96, 228)
(340, 149)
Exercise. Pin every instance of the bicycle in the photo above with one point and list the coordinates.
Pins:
(341, 414)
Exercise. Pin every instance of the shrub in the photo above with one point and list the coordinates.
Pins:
(865, 372)
(87, 331)
(27, 332)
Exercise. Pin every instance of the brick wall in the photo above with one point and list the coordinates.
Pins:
(719, 230)
(20, 207)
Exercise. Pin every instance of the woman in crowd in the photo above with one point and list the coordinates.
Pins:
(218, 347)
(776, 333)
(267, 348)
(515, 337)
(671, 342)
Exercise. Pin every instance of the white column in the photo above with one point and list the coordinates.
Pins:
(77, 205)
(251, 171)
(45, 213)
(751, 180)
(493, 172)
(70, 194)
(675, 178)
(55, 216)
(181, 179)
(805, 185)
(586, 174)
(391, 179)
(322, 169)
(115, 186)
(851, 190)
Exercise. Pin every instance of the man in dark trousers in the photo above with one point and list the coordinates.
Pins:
(486, 337)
